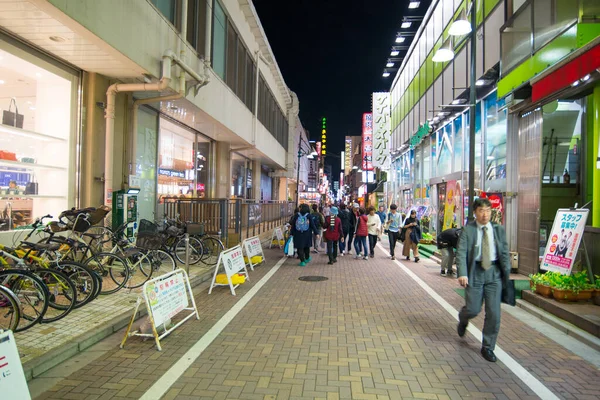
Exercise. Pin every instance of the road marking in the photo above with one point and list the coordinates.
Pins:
(164, 383)
(534, 384)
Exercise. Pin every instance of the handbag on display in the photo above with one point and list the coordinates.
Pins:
(31, 187)
(12, 118)
(7, 155)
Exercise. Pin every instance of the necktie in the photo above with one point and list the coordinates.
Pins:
(486, 262)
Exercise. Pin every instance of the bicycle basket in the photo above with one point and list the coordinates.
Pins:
(172, 231)
(56, 226)
(81, 223)
(147, 227)
(98, 214)
(194, 228)
(148, 241)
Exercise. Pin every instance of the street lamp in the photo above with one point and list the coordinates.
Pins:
(461, 26)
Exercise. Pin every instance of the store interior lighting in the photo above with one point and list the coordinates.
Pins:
(414, 4)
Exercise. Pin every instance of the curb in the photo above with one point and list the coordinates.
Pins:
(53, 357)
(560, 324)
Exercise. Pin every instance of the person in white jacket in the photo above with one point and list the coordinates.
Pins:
(374, 225)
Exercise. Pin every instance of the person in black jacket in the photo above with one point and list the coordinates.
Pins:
(345, 217)
(302, 230)
(447, 242)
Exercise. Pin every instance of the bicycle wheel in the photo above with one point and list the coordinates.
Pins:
(196, 251)
(109, 265)
(31, 293)
(87, 283)
(99, 238)
(163, 262)
(139, 265)
(63, 294)
(212, 250)
(10, 311)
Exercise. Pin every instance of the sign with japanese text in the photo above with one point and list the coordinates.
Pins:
(233, 261)
(12, 379)
(367, 142)
(253, 248)
(422, 132)
(166, 297)
(382, 130)
(348, 156)
(564, 240)
(323, 136)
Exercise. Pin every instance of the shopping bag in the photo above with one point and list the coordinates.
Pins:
(12, 118)
(289, 247)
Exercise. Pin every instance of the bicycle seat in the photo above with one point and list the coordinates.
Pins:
(42, 246)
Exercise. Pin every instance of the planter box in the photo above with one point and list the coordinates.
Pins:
(596, 297)
(542, 290)
(585, 294)
(563, 295)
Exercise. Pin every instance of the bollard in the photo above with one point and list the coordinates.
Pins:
(187, 253)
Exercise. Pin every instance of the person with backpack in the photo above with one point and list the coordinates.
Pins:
(317, 218)
(362, 231)
(303, 229)
(332, 234)
(344, 216)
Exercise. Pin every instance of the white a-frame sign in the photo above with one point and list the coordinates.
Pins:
(233, 263)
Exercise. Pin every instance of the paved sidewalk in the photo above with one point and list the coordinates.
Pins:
(368, 332)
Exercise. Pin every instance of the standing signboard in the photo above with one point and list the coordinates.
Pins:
(278, 236)
(253, 248)
(233, 263)
(13, 384)
(165, 297)
(564, 239)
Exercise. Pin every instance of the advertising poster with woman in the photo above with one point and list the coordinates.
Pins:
(450, 206)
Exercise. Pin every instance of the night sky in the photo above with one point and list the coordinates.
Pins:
(332, 54)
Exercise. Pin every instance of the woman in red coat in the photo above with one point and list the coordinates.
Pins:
(333, 233)
(362, 231)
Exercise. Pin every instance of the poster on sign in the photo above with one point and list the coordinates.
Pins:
(278, 237)
(165, 297)
(233, 263)
(254, 251)
(564, 239)
(13, 384)
(497, 201)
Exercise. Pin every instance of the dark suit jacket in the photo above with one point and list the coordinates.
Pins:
(467, 251)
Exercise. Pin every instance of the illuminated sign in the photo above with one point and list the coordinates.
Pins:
(421, 133)
(171, 172)
(367, 142)
(382, 127)
(318, 146)
(323, 136)
(343, 161)
(348, 155)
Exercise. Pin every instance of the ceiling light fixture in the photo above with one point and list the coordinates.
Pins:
(414, 4)
(481, 82)
(459, 101)
(400, 39)
(389, 64)
(386, 74)
(394, 53)
(461, 25)
(406, 24)
(575, 83)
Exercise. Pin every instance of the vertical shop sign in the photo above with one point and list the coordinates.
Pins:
(565, 237)
(348, 156)
(382, 126)
(367, 142)
(323, 136)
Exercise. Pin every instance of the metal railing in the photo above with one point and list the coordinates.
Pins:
(232, 220)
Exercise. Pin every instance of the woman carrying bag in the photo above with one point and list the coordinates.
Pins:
(411, 233)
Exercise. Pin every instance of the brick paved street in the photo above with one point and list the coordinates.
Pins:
(368, 332)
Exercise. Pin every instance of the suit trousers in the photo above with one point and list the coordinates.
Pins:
(486, 285)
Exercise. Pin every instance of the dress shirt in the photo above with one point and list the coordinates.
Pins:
(490, 233)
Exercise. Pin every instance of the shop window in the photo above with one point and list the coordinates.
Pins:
(250, 82)
(240, 88)
(175, 160)
(238, 175)
(196, 24)
(427, 162)
(168, 8)
(495, 143)
(37, 137)
(458, 144)
(478, 143)
(202, 170)
(232, 40)
(444, 148)
(219, 40)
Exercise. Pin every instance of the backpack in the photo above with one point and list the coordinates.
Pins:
(344, 216)
(302, 223)
(316, 219)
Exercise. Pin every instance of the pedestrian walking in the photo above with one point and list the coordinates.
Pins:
(393, 225)
(411, 225)
(344, 216)
(332, 234)
(381, 214)
(483, 262)
(317, 218)
(353, 220)
(326, 210)
(303, 229)
(374, 225)
(362, 231)
(446, 243)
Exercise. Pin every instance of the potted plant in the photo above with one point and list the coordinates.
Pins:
(581, 286)
(539, 283)
(562, 287)
(596, 295)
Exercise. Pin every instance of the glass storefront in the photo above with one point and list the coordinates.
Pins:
(183, 162)
(37, 137)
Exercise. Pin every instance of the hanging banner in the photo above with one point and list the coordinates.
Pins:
(367, 142)
(564, 240)
(382, 129)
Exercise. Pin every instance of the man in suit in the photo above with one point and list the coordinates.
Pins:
(483, 262)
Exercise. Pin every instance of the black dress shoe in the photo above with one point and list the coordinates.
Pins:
(488, 354)
(461, 329)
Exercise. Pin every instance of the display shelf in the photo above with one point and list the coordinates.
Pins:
(10, 197)
(29, 134)
(8, 163)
